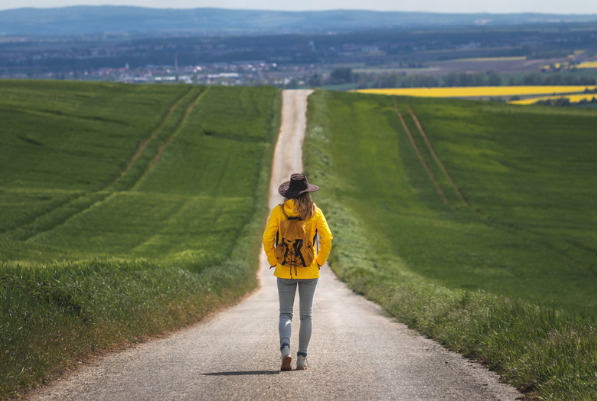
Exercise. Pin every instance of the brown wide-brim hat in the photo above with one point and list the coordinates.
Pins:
(297, 186)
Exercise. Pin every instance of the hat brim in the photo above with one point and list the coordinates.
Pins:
(287, 193)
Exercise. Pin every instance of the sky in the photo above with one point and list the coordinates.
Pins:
(442, 6)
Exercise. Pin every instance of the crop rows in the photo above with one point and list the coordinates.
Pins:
(501, 267)
(125, 213)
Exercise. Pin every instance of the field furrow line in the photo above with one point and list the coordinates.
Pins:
(435, 157)
(55, 217)
(423, 162)
(77, 204)
(155, 132)
(98, 197)
(176, 130)
(151, 238)
(102, 195)
(156, 159)
(95, 199)
(45, 220)
(11, 230)
(537, 236)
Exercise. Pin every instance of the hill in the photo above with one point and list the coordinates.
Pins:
(114, 19)
(473, 222)
(123, 213)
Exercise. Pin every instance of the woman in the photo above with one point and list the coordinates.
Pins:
(297, 204)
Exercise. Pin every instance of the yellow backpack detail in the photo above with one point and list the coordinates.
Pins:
(294, 248)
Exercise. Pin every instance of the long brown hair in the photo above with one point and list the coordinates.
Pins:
(304, 206)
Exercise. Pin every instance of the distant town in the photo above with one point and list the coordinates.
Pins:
(518, 54)
(228, 74)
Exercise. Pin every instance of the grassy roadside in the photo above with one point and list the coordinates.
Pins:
(469, 281)
(144, 252)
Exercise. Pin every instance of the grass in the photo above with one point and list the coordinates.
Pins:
(502, 268)
(127, 211)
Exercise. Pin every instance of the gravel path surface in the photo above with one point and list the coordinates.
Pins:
(356, 352)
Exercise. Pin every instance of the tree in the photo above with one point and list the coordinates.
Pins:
(533, 78)
(341, 75)
(493, 79)
(315, 81)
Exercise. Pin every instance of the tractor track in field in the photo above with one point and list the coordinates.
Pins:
(356, 352)
(420, 155)
(539, 237)
(435, 157)
(156, 159)
(153, 135)
(104, 193)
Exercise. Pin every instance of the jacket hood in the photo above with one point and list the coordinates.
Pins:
(289, 208)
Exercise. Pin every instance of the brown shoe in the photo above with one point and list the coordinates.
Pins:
(286, 361)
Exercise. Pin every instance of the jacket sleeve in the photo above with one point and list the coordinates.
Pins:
(269, 237)
(326, 239)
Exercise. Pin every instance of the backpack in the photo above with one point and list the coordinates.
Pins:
(293, 247)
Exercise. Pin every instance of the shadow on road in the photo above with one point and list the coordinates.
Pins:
(244, 373)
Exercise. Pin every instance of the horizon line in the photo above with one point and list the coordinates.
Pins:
(299, 11)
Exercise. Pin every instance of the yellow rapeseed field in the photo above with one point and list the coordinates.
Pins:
(572, 98)
(482, 59)
(479, 91)
(587, 64)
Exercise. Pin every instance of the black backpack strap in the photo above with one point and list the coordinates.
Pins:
(285, 255)
(297, 251)
(278, 232)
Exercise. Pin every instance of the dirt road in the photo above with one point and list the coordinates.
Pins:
(356, 352)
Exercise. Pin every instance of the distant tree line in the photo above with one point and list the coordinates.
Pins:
(344, 75)
(564, 101)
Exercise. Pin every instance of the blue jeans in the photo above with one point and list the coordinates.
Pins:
(286, 293)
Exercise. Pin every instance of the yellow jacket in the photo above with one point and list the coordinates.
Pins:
(317, 222)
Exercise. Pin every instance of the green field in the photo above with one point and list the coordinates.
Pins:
(128, 211)
(125, 211)
(498, 258)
